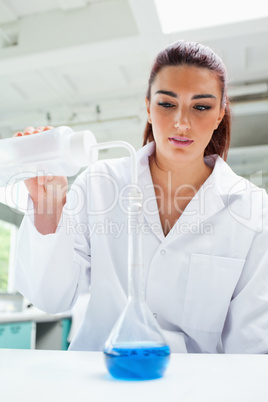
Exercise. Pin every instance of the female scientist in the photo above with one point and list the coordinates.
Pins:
(205, 229)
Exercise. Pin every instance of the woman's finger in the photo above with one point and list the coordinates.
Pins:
(18, 134)
(29, 130)
(41, 180)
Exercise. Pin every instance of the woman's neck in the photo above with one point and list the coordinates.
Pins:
(179, 175)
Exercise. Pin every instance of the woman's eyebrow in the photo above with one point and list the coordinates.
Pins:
(202, 96)
(174, 95)
(169, 93)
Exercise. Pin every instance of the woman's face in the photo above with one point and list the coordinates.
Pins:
(184, 110)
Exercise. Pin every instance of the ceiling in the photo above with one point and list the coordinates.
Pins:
(85, 64)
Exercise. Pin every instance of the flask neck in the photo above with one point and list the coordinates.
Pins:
(135, 259)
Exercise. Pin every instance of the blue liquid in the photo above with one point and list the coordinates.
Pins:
(137, 362)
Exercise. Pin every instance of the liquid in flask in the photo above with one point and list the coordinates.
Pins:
(140, 361)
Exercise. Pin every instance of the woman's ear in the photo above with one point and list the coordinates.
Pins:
(220, 117)
(148, 110)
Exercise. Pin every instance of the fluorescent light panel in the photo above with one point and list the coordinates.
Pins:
(250, 89)
(178, 16)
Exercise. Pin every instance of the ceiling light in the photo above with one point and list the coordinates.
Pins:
(177, 16)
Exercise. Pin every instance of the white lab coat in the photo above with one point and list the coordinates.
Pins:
(206, 281)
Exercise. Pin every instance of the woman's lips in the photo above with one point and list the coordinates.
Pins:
(180, 141)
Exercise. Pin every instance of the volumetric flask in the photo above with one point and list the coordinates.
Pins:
(136, 348)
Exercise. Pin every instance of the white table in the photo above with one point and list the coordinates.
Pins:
(48, 376)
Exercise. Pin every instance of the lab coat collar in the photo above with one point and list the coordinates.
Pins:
(213, 196)
(143, 156)
(225, 181)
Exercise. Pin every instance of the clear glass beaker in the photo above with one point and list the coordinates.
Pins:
(136, 347)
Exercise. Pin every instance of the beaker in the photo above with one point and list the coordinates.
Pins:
(136, 348)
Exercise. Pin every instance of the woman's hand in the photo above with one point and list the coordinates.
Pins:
(48, 193)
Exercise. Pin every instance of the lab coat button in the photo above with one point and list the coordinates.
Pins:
(155, 315)
(163, 252)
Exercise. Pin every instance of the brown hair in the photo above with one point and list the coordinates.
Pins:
(195, 54)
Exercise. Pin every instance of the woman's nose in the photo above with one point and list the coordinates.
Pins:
(182, 121)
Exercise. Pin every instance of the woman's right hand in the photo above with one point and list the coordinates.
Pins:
(48, 193)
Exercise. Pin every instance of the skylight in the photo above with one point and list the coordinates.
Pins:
(178, 16)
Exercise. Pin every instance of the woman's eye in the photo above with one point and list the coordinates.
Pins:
(202, 107)
(165, 104)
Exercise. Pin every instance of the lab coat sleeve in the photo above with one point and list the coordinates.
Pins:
(52, 270)
(246, 326)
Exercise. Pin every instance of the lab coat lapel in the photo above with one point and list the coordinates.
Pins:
(195, 218)
(212, 197)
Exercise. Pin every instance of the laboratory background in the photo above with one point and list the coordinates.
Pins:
(85, 64)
